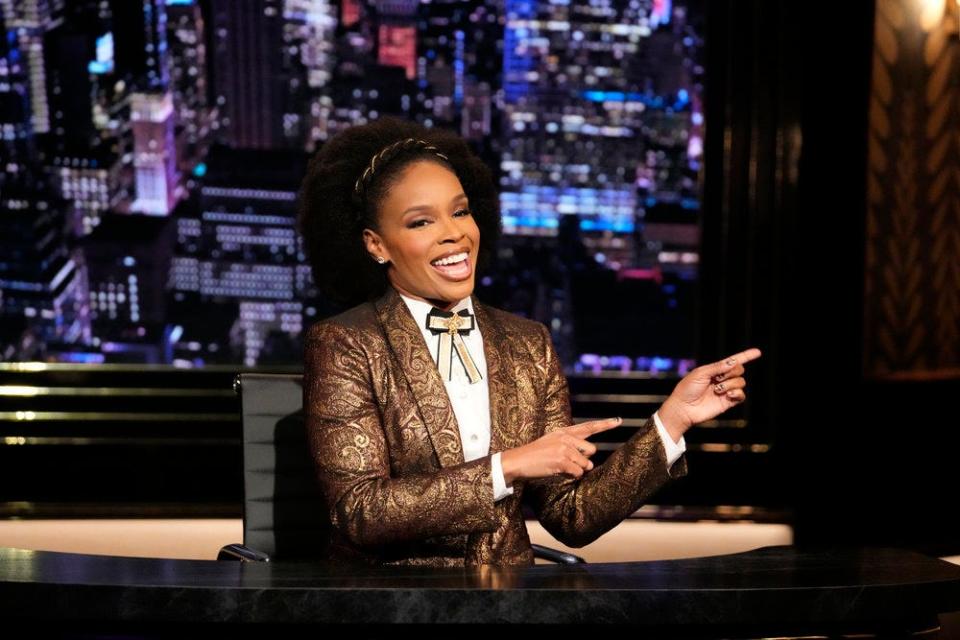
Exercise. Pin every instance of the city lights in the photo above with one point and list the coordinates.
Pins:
(153, 152)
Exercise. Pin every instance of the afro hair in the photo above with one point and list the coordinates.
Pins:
(336, 204)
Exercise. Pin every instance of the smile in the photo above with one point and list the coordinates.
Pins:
(454, 267)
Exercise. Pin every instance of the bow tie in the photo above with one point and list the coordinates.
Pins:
(450, 327)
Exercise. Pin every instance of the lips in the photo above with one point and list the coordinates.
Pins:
(455, 266)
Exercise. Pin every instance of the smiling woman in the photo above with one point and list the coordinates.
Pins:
(430, 415)
(357, 202)
(432, 246)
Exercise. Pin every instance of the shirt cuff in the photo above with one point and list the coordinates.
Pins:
(673, 449)
(500, 488)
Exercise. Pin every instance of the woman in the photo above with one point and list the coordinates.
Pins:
(431, 415)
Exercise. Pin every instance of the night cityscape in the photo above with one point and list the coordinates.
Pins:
(152, 152)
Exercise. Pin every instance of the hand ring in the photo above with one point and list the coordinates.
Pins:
(719, 388)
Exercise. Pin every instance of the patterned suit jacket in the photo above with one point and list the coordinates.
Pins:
(387, 448)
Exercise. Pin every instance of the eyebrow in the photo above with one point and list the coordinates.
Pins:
(425, 207)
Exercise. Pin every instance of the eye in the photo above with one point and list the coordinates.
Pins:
(418, 223)
(459, 213)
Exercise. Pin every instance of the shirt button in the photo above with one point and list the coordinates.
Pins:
(462, 395)
(474, 437)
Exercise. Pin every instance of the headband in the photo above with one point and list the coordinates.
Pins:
(387, 153)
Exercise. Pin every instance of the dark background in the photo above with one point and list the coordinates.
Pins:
(865, 459)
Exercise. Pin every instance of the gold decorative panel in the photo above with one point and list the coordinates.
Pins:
(912, 274)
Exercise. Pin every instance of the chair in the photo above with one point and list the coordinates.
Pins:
(282, 514)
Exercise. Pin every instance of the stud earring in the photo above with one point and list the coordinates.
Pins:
(380, 259)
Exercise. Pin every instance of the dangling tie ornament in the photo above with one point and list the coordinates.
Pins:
(448, 327)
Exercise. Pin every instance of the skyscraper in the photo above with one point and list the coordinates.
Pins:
(186, 39)
(30, 20)
(155, 157)
(90, 145)
(589, 114)
(143, 62)
(140, 35)
(248, 79)
(397, 46)
(239, 250)
(313, 34)
(15, 105)
(306, 65)
(95, 181)
(41, 279)
(128, 262)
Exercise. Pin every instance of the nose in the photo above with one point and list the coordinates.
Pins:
(450, 232)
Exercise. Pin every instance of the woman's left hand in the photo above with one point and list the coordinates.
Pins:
(705, 393)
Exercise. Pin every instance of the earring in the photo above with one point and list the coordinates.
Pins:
(380, 259)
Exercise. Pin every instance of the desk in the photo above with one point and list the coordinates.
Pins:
(769, 591)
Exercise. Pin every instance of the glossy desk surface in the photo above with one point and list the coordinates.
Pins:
(782, 585)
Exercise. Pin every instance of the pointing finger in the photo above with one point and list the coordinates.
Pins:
(585, 429)
(727, 365)
(745, 356)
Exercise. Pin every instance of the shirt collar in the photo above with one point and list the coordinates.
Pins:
(419, 309)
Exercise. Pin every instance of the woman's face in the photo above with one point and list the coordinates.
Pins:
(428, 235)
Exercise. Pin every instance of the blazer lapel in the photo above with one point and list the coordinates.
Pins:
(406, 342)
(501, 380)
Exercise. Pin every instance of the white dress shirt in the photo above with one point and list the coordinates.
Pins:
(471, 402)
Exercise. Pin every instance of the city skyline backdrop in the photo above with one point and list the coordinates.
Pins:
(152, 153)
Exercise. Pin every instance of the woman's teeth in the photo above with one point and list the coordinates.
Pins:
(455, 267)
(455, 258)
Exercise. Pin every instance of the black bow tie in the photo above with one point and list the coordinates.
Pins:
(449, 327)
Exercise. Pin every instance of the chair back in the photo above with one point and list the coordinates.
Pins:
(283, 512)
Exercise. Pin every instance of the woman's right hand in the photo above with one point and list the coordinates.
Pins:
(564, 451)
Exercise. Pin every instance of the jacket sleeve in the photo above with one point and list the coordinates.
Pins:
(578, 511)
(353, 461)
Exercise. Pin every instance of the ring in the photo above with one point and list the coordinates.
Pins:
(719, 388)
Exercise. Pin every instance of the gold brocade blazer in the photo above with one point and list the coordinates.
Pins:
(387, 448)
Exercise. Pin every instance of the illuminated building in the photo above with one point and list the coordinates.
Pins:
(15, 111)
(373, 60)
(248, 79)
(459, 61)
(30, 20)
(589, 115)
(240, 250)
(397, 34)
(154, 153)
(155, 45)
(186, 33)
(315, 36)
(477, 113)
(307, 64)
(41, 279)
(95, 183)
(128, 261)
(397, 46)
(350, 12)
(91, 140)
(271, 60)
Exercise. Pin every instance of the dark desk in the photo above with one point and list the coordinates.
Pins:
(770, 591)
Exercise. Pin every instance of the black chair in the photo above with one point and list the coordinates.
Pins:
(283, 517)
